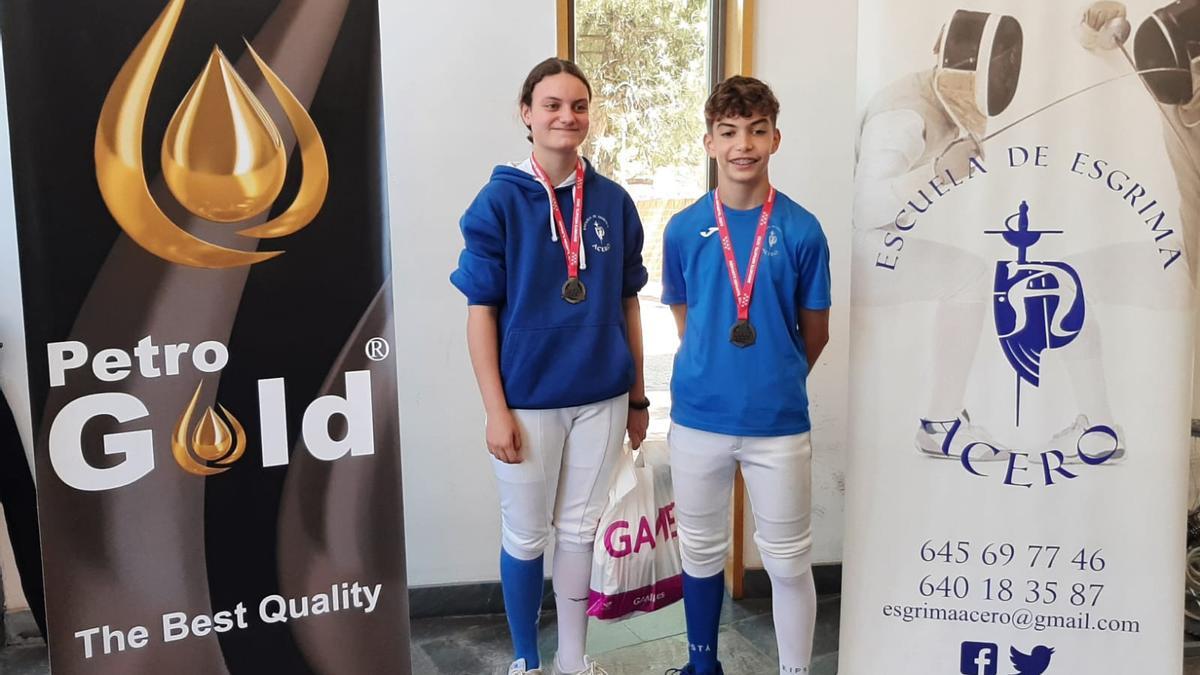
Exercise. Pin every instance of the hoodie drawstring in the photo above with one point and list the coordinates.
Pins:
(554, 228)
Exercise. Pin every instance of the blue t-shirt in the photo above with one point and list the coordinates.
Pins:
(553, 354)
(717, 386)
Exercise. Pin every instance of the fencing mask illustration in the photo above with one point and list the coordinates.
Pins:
(1169, 38)
(979, 65)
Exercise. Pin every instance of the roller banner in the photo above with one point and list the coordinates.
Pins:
(1027, 197)
(203, 246)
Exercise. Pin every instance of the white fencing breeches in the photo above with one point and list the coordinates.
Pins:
(778, 473)
(567, 460)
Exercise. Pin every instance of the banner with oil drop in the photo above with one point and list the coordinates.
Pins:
(203, 249)
(1027, 198)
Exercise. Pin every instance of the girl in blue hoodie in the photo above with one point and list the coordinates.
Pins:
(551, 268)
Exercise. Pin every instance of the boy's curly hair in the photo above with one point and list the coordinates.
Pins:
(741, 96)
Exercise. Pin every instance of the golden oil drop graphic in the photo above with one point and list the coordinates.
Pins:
(222, 156)
(212, 441)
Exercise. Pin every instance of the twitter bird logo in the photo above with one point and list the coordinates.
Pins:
(1033, 663)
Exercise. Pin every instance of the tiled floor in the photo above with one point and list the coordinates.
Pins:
(23, 661)
(644, 645)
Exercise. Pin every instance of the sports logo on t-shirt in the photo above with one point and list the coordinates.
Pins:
(774, 243)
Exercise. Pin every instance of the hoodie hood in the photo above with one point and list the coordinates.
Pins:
(521, 175)
(525, 180)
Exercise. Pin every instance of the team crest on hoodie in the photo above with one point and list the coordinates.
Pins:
(597, 226)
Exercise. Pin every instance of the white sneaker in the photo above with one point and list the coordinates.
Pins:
(518, 668)
(589, 668)
(1067, 442)
(931, 436)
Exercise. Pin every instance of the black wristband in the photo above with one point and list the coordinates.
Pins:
(643, 404)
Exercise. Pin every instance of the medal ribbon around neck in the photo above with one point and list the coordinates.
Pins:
(570, 244)
(742, 292)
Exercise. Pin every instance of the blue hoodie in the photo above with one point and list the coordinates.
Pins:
(553, 354)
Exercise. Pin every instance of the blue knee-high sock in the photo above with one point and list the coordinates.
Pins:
(521, 581)
(702, 607)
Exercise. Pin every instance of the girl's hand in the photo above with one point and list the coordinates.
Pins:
(504, 437)
(636, 426)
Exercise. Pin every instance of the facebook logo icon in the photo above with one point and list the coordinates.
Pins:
(979, 658)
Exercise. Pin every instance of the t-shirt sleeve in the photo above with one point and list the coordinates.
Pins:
(481, 273)
(812, 291)
(634, 276)
(674, 287)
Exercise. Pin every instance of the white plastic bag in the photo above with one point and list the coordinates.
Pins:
(635, 564)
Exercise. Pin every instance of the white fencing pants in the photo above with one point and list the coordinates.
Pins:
(567, 460)
(778, 473)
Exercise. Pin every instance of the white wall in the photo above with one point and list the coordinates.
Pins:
(13, 379)
(806, 52)
(452, 72)
(451, 78)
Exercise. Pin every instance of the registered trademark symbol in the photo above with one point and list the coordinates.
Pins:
(378, 349)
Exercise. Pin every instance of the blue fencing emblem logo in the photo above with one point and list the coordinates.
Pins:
(1037, 304)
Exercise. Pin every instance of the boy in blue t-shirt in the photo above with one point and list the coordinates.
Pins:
(746, 273)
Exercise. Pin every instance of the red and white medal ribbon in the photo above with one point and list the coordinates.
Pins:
(743, 291)
(570, 244)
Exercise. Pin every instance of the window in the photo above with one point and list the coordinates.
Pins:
(651, 64)
(651, 69)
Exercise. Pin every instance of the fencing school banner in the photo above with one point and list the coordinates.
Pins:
(204, 268)
(1025, 227)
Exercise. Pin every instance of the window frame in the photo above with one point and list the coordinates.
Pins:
(731, 33)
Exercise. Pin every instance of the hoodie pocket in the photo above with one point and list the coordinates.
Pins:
(565, 365)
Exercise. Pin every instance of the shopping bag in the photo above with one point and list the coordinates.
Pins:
(635, 564)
